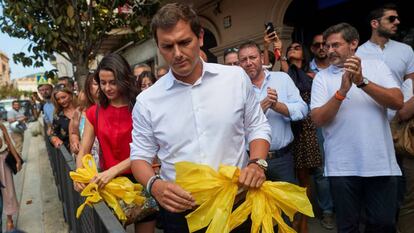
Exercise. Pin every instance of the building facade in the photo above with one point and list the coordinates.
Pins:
(4, 69)
(27, 83)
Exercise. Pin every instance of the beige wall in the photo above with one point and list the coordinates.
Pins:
(247, 18)
(4, 69)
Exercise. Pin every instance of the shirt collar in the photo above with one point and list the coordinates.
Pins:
(335, 69)
(208, 69)
(377, 46)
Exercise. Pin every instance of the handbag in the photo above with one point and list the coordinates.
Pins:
(11, 162)
(403, 136)
(136, 213)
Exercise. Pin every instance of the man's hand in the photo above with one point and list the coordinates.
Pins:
(172, 197)
(352, 65)
(270, 99)
(346, 83)
(252, 176)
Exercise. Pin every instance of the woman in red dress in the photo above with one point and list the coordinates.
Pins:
(111, 122)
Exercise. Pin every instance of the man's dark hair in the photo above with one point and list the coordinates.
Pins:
(250, 44)
(168, 16)
(377, 13)
(15, 101)
(349, 33)
(68, 79)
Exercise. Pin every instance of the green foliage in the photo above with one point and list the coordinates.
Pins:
(8, 91)
(73, 29)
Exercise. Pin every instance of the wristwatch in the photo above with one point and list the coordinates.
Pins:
(364, 82)
(260, 162)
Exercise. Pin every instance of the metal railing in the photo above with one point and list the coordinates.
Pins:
(97, 219)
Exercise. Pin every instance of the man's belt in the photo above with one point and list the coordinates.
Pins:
(279, 153)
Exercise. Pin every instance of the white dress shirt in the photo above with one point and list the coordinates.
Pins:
(358, 140)
(206, 123)
(288, 94)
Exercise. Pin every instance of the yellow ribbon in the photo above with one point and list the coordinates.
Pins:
(119, 188)
(215, 193)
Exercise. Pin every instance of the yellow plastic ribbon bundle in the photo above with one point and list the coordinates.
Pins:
(215, 193)
(119, 188)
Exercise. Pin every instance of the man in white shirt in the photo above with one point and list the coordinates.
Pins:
(349, 101)
(398, 56)
(281, 102)
(198, 112)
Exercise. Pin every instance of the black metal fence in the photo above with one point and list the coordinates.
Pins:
(97, 219)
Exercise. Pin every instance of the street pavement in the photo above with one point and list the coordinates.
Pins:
(40, 208)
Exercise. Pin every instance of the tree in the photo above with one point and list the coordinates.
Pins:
(75, 29)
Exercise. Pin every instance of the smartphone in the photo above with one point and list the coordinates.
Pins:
(269, 28)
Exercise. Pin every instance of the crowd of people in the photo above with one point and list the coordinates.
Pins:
(324, 116)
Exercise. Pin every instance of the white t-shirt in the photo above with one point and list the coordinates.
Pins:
(398, 56)
(358, 141)
(407, 89)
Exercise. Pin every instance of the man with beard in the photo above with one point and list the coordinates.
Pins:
(398, 56)
(45, 90)
(349, 101)
(281, 102)
(320, 58)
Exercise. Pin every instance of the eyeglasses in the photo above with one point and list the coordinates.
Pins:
(392, 18)
(297, 47)
(334, 45)
(60, 86)
(318, 44)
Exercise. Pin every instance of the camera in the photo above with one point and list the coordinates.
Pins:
(269, 28)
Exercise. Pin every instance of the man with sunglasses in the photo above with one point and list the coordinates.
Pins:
(398, 56)
(230, 57)
(320, 58)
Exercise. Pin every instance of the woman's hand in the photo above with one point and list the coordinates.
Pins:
(103, 178)
(79, 187)
(56, 141)
(74, 144)
(18, 165)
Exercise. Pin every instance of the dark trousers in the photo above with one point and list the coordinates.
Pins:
(378, 197)
(176, 223)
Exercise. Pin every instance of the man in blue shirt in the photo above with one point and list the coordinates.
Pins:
(281, 102)
(45, 90)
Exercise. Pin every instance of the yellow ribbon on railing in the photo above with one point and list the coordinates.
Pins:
(119, 188)
(215, 193)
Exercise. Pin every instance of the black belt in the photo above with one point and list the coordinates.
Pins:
(279, 153)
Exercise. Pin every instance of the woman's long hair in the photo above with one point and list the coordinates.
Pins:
(124, 79)
(298, 74)
(61, 88)
(87, 90)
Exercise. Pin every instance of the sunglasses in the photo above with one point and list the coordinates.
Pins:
(392, 18)
(230, 50)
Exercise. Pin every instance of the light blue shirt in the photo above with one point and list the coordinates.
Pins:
(209, 122)
(287, 94)
(48, 109)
